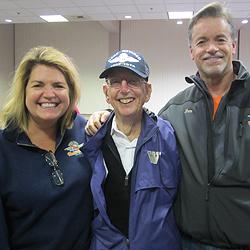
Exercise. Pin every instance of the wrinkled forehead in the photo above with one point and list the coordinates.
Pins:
(211, 25)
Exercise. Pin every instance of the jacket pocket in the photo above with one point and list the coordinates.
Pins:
(156, 170)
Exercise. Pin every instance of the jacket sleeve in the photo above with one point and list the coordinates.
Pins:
(4, 242)
(170, 148)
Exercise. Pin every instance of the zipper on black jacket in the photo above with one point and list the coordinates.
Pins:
(207, 191)
(210, 147)
(126, 180)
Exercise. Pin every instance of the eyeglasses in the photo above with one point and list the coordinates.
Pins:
(134, 82)
(57, 174)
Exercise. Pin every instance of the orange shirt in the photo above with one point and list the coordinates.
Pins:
(216, 100)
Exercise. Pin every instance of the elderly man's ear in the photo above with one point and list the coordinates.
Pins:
(149, 91)
(105, 88)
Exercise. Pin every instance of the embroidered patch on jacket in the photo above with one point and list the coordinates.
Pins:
(153, 156)
(74, 148)
(186, 111)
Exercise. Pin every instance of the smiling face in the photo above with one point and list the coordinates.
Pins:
(212, 48)
(126, 92)
(47, 96)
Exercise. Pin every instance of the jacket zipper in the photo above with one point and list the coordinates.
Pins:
(126, 180)
(133, 174)
(207, 191)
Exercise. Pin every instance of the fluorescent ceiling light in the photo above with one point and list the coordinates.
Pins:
(180, 14)
(54, 18)
(128, 17)
(179, 22)
(8, 20)
(244, 21)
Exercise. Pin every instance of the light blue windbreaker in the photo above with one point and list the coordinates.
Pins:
(153, 189)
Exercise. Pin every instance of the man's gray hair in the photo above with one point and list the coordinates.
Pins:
(214, 9)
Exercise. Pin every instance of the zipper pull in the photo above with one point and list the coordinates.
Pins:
(241, 130)
(126, 180)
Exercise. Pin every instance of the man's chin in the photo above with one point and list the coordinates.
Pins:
(215, 71)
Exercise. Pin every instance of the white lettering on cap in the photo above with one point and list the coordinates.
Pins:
(123, 57)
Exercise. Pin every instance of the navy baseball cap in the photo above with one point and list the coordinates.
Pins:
(127, 59)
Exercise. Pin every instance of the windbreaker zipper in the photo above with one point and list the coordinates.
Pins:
(134, 173)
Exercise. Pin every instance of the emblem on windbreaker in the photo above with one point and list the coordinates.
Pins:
(248, 120)
(153, 156)
(74, 148)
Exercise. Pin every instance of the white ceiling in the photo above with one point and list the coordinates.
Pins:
(28, 11)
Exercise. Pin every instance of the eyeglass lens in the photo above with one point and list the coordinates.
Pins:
(132, 82)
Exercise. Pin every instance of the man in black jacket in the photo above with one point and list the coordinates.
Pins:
(212, 124)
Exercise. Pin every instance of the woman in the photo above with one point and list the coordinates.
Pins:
(45, 199)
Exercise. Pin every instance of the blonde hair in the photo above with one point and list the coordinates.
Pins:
(14, 112)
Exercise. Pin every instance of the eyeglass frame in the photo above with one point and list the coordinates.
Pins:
(57, 174)
(134, 82)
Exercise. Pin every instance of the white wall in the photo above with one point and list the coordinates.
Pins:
(163, 43)
(87, 43)
(165, 48)
(6, 59)
(244, 43)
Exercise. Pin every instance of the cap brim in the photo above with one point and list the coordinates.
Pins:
(106, 72)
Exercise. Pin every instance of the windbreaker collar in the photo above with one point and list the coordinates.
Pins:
(95, 141)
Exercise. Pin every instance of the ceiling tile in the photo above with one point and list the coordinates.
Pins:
(123, 9)
(95, 9)
(42, 11)
(88, 2)
(120, 16)
(69, 11)
(6, 5)
(153, 8)
(118, 2)
(101, 17)
(57, 3)
(18, 13)
(146, 2)
(159, 15)
(30, 4)
(182, 1)
(32, 19)
(179, 7)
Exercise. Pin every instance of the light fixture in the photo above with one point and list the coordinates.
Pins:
(128, 17)
(54, 18)
(244, 21)
(179, 22)
(180, 14)
(8, 20)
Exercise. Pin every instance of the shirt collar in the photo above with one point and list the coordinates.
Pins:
(115, 130)
(116, 133)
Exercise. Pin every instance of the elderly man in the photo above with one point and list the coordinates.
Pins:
(135, 163)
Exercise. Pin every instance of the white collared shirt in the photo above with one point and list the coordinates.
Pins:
(125, 147)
